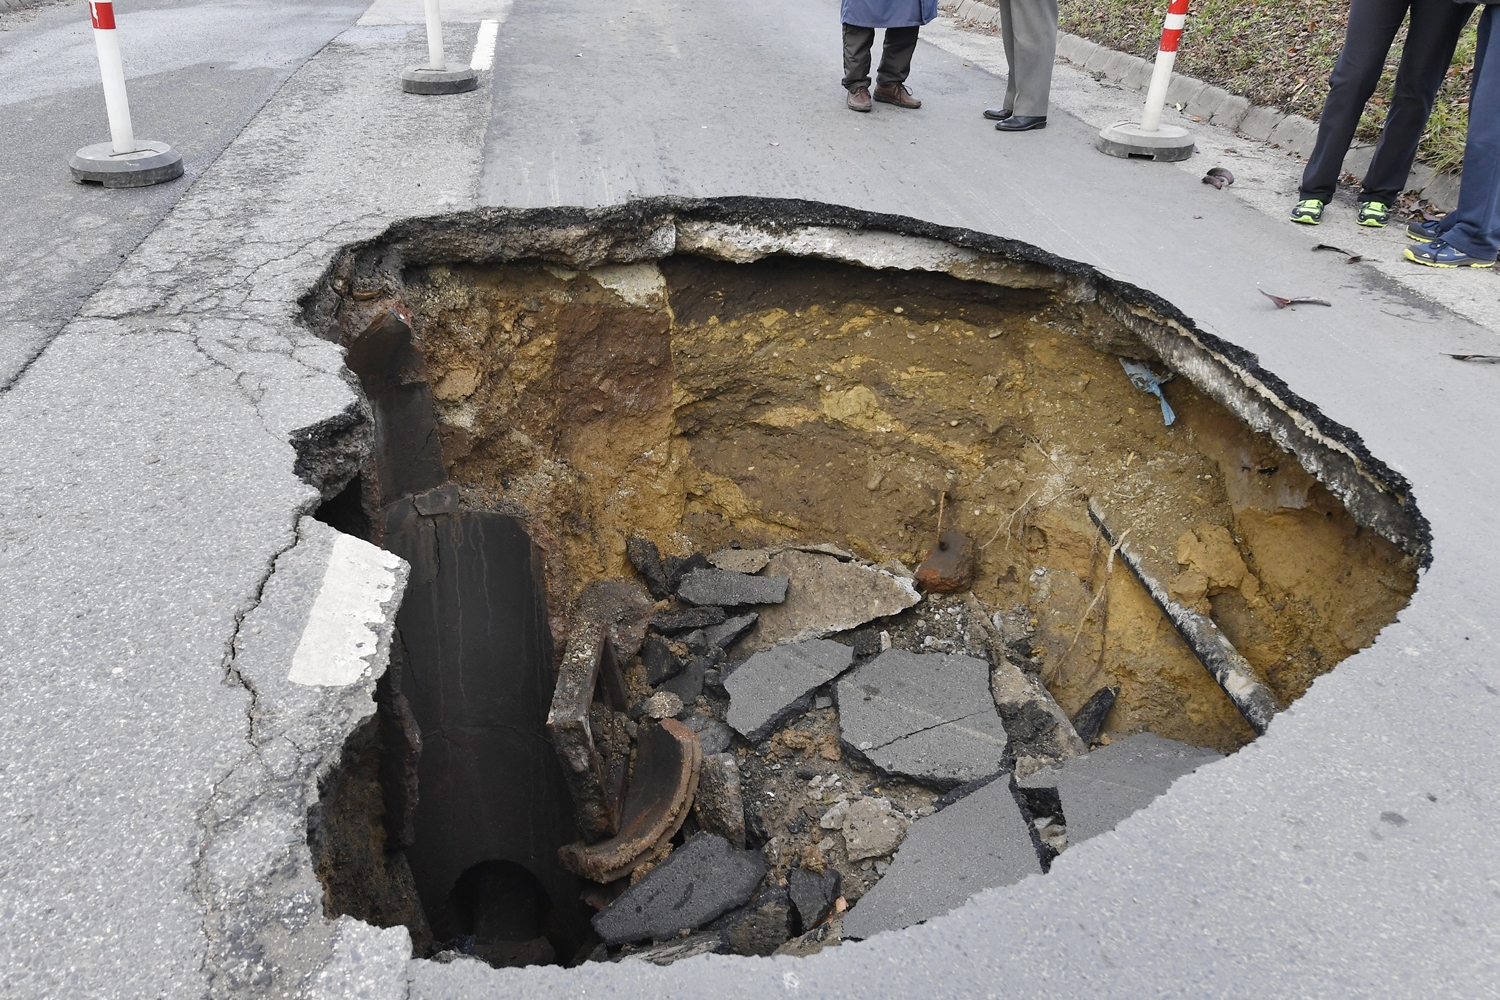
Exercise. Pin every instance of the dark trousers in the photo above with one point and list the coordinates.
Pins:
(895, 55)
(1430, 41)
(1474, 226)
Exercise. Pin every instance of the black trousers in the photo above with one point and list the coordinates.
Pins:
(1430, 41)
(895, 55)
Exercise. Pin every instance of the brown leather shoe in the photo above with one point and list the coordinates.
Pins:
(859, 99)
(898, 95)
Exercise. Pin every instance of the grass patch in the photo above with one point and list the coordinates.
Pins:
(1278, 53)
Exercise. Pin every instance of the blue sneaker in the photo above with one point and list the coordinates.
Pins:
(1424, 232)
(1439, 254)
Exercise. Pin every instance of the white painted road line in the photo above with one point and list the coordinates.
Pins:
(484, 45)
(340, 637)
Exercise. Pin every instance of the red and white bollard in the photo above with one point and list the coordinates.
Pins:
(123, 161)
(436, 77)
(1149, 139)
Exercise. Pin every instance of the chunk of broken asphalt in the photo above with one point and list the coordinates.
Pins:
(718, 806)
(813, 894)
(707, 943)
(826, 595)
(646, 558)
(729, 589)
(728, 633)
(659, 660)
(760, 926)
(701, 880)
(980, 842)
(680, 566)
(1100, 789)
(929, 717)
(688, 684)
(949, 567)
(1090, 718)
(687, 619)
(776, 683)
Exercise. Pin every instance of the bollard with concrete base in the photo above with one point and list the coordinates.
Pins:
(1149, 139)
(123, 161)
(436, 77)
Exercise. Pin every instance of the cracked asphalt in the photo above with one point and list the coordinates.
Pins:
(156, 564)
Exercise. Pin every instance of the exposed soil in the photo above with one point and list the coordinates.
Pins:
(701, 403)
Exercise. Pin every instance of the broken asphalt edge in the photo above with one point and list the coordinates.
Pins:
(743, 229)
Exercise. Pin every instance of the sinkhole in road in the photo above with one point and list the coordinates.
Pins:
(566, 433)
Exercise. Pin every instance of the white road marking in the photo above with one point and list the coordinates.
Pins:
(484, 45)
(412, 12)
(340, 636)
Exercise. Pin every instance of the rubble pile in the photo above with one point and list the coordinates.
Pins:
(782, 748)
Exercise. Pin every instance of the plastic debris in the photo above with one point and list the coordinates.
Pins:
(1144, 379)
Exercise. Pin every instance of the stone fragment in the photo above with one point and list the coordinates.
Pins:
(759, 927)
(701, 880)
(595, 781)
(740, 560)
(688, 684)
(1100, 789)
(872, 828)
(659, 661)
(707, 943)
(623, 607)
(687, 619)
(813, 894)
(979, 842)
(949, 567)
(727, 634)
(1090, 718)
(718, 806)
(833, 819)
(668, 760)
(1035, 724)
(776, 683)
(825, 595)
(680, 566)
(713, 682)
(930, 717)
(728, 589)
(646, 558)
(662, 705)
(815, 940)
(696, 641)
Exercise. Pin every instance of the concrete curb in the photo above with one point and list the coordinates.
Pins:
(1214, 105)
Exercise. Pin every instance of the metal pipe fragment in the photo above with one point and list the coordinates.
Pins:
(1217, 654)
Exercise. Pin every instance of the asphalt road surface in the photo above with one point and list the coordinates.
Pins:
(196, 72)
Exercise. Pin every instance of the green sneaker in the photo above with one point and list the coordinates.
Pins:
(1309, 212)
(1374, 214)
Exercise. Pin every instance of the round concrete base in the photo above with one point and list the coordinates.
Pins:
(151, 163)
(1127, 140)
(421, 80)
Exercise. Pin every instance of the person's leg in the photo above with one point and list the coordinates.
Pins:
(1008, 39)
(1035, 47)
(1474, 227)
(1372, 27)
(1430, 41)
(895, 56)
(857, 43)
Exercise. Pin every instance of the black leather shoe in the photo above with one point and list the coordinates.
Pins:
(1021, 123)
(997, 114)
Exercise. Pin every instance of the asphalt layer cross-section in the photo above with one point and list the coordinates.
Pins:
(195, 71)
